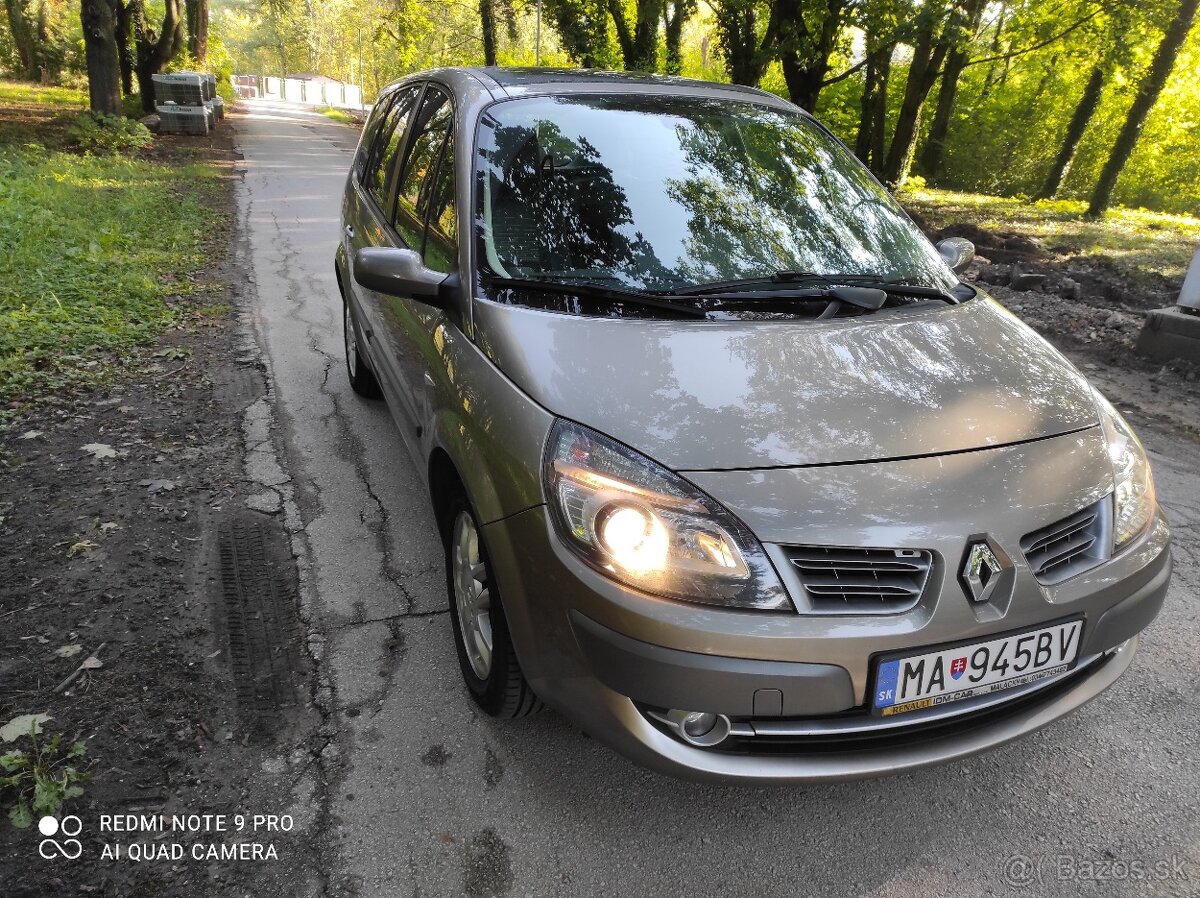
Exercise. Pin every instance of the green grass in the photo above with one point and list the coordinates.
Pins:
(31, 113)
(1139, 242)
(337, 115)
(93, 249)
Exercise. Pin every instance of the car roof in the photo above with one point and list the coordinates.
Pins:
(508, 82)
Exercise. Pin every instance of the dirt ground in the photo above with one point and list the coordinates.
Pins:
(121, 516)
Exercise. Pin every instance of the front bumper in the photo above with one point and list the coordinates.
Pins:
(608, 657)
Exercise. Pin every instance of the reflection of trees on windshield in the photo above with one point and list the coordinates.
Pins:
(652, 191)
(765, 194)
(557, 208)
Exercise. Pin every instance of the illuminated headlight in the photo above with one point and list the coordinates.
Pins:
(638, 523)
(1134, 499)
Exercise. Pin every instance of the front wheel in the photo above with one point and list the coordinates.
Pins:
(362, 378)
(485, 650)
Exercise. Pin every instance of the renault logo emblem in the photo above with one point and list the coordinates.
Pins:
(981, 571)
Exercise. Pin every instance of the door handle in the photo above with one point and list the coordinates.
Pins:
(350, 231)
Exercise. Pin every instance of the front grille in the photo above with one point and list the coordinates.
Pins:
(860, 580)
(1070, 546)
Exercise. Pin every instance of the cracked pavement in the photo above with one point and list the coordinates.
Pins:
(424, 797)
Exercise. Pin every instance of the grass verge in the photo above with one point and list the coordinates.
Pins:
(1137, 241)
(337, 115)
(98, 249)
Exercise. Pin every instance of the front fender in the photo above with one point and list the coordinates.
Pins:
(491, 430)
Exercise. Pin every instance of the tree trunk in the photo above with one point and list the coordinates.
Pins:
(805, 55)
(746, 56)
(961, 31)
(1147, 95)
(124, 29)
(994, 52)
(872, 120)
(155, 50)
(29, 26)
(1088, 104)
(639, 41)
(922, 74)
(487, 21)
(935, 144)
(675, 15)
(197, 29)
(103, 66)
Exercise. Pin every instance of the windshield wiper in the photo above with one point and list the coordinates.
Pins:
(596, 291)
(737, 287)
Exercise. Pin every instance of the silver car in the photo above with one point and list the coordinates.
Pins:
(730, 467)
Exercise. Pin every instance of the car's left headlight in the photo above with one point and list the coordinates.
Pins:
(1134, 499)
(640, 524)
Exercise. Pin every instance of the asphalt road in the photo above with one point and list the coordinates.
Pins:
(428, 798)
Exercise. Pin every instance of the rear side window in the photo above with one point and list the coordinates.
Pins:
(387, 144)
(417, 180)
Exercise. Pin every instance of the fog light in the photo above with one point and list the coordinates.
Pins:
(700, 728)
(698, 724)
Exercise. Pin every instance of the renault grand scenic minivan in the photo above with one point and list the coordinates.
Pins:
(731, 469)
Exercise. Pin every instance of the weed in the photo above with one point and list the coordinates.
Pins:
(38, 780)
(99, 133)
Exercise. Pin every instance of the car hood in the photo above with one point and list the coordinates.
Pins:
(736, 394)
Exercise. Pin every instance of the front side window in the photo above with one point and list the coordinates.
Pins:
(441, 234)
(417, 181)
(366, 143)
(667, 193)
(387, 144)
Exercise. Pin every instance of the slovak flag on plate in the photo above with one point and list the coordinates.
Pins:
(958, 667)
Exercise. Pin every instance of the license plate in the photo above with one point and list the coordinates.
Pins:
(937, 677)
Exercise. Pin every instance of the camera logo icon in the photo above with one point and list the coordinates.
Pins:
(69, 847)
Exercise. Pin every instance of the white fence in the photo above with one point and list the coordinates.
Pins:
(311, 92)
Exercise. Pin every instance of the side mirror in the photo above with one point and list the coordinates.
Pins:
(399, 272)
(957, 252)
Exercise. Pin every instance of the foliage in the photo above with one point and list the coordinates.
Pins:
(94, 248)
(100, 133)
(37, 779)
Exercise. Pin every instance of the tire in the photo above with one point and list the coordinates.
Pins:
(362, 378)
(485, 653)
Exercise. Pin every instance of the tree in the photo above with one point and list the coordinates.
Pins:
(956, 60)
(808, 34)
(39, 58)
(100, 43)
(747, 35)
(582, 27)
(487, 21)
(675, 15)
(1084, 113)
(197, 29)
(872, 117)
(929, 51)
(123, 10)
(638, 37)
(1147, 95)
(155, 48)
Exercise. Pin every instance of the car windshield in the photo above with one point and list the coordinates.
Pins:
(669, 193)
